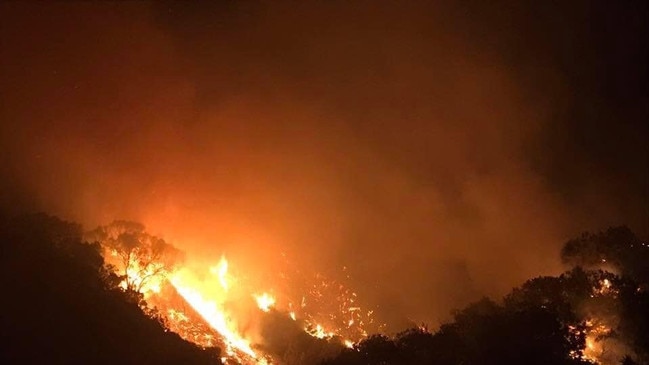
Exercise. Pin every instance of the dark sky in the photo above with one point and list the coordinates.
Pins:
(440, 151)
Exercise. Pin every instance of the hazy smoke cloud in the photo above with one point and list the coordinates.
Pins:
(437, 152)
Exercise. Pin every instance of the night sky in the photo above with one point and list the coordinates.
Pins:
(439, 151)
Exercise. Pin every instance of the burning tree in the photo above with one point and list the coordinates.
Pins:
(617, 322)
(140, 259)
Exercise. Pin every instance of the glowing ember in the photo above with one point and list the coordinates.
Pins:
(189, 328)
(330, 309)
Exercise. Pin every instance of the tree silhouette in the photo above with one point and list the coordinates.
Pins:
(617, 248)
(634, 319)
(482, 333)
(138, 257)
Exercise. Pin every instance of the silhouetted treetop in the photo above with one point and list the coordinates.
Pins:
(137, 256)
(616, 249)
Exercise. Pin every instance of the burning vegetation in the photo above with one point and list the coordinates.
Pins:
(579, 311)
(212, 308)
(157, 303)
(344, 175)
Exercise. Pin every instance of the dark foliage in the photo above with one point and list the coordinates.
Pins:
(482, 333)
(285, 340)
(59, 306)
(540, 322)
(617, 248)
(634, 319)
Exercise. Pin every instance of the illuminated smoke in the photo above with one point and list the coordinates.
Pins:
(404, 137)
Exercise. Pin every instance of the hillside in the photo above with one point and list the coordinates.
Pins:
(56, 307)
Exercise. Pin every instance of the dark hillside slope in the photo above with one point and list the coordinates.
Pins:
(56, 308)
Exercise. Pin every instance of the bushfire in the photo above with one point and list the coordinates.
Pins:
(212, 308)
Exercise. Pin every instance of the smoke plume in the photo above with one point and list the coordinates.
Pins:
(436, 152)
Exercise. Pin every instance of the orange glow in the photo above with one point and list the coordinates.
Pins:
(209, 301)
(594, 346)
(209, 294)
(328, 310)
(144, 278)
(221, 270)
(318, 331)
(213, 313)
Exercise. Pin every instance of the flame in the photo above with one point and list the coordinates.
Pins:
(597, 327)
(189, 329)
(265, 301)
(214, 314)
(594, 349)
(318, 331)
(146, 279)
(209, 304)
(330, 309)
(210, 322)
(221, 271)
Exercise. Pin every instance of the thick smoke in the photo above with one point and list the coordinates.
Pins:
(440, 153)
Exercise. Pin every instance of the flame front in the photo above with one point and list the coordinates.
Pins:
(212, 311)
(208, 302)
(213, 320)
